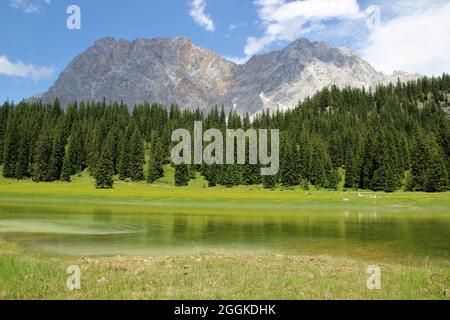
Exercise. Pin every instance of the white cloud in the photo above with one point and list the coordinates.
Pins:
(416, 41)
(197, 12)
(29, 6)
(22, 70)
(404, 35)
(287, 21)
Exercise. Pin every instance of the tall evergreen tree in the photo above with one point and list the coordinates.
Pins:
(155, 168)
(24, 152)
(4, 114)
(125, 156)
(436, 178)
(104, 172)
(386, 174)
(137, 157)
(10, 147)
(318, 173)
(351, 170)
(42, 154)
(420, 157)
(230, 175)
(289, 172)
(58, 152)
(270, 182)
(181, 175)
(72, 162)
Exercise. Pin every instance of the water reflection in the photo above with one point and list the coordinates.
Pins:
(371, 235)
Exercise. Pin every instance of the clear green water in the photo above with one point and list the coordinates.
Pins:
(402, 236)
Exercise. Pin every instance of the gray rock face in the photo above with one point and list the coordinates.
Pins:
(173, 70)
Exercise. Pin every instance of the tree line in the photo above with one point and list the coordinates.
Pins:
(394, 137)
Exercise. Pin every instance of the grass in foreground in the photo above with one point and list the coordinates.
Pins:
(27, 275)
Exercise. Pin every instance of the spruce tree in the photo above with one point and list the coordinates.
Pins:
(212, 174)
(94, 147)
(137, 157)
(436, 178)
(75, 155)
(42, 154)
(386, 174)
(230, 175)
(270, 182)
(58, 152)
(69, 167)
(351, 170)
(181, 175)
(24, 152)
(4, 114)
(104, 172)
(155, 168)
(420, 157)
(318, 170)
(289, 173)
(366, 170)
(10, 147)
(125, 156)
(66, 171)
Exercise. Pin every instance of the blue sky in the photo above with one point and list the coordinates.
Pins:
(36, 45)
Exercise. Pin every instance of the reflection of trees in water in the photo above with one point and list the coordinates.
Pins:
(399, 232)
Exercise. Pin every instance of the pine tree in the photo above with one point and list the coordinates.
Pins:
(42, 154)
(333, 179)
(351, 170)
(420, 157)
(181, 175)
(24, 152)
(318, 163)
(125, 156)
(270, 182)
(75, 155)
(104, 172)
(367, 164)
(94, 147)
(230, 175)
(4, 114)
(211, 174)
(155, 168)
(66, 171)
(58, 153)
(304, 161)
(386, 175)
(10, 147)
(436, 178)
(68, 168)
(289, 172)
(137, 157)
(78, 150)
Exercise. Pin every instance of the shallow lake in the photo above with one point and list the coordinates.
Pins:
(400, 236)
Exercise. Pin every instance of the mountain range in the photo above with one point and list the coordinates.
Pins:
(175, 71)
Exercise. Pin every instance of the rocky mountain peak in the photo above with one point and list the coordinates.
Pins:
(174, 70)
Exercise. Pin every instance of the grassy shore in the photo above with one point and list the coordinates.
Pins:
(198, 196)
(27, 275)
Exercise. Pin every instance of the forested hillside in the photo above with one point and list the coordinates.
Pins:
(397, 137)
